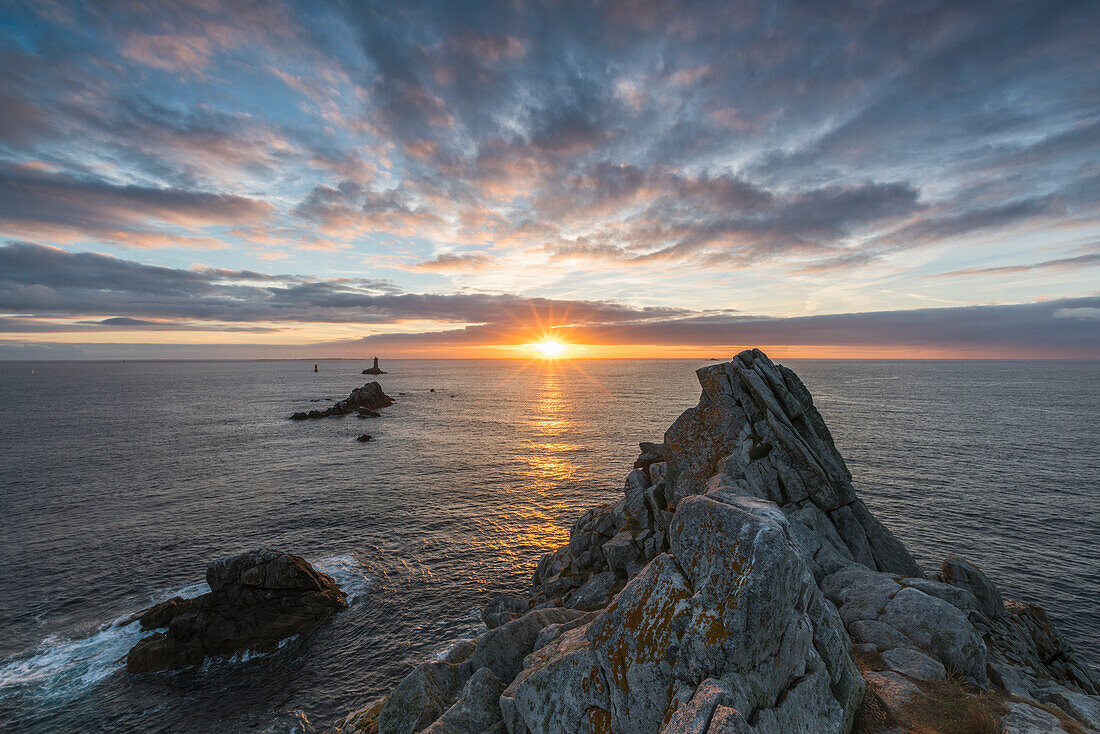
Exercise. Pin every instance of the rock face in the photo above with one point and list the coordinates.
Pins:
(369, 397)
(731, 606)
(724, 592)
(256, 599)
(375, 370)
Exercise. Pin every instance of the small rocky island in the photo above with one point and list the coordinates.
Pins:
(363, 400)
(256, 599)
(741, 586)
(375, 370)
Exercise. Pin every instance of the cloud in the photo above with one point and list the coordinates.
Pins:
(10, 325)
(34, 200)
(454, 263)
(718, 220)
(1067, 328)
(646, 143)
(1082, 313)
(1060, 264)
(48, 288)
(169, 52)
(49, 282)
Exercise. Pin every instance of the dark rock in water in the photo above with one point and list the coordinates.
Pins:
(370, 396)
(431, 389)
(375, 370)
(256, 599)
(368, 413)
(161, 614)
(364, 437)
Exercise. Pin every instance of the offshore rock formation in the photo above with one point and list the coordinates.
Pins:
(375, 370)
(256, 599)
(367, 398)
(740, 585)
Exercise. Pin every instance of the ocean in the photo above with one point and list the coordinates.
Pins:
(119, 482)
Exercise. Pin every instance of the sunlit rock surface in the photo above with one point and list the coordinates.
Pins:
(740, 585)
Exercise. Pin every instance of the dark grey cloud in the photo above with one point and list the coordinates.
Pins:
(940, 225)
(40, 281)
(1066, 328)
(726, 220)
(33, 198)
(10, 325)
(76, 286)
(32, 265)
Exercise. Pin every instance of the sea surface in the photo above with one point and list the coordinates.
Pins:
(120, 481)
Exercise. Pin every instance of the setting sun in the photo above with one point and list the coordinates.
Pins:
(550, 348)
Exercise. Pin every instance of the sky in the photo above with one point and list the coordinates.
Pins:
(637, 178)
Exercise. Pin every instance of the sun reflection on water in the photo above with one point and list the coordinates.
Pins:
(549, 425)
(546, 458)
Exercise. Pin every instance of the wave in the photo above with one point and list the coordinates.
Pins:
(59, 669)
(62, 668)
(468, 627)
(357, 578)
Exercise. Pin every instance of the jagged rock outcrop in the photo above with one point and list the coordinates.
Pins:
(740, 585)
(369, 398)
(256, 599)
(731, 603)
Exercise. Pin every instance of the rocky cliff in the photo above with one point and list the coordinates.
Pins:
(740, 585)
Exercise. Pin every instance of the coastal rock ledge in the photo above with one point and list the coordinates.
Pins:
(256, 600)
(740, 585)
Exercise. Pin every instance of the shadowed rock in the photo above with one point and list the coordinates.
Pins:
(256, 599)
(369, 397)
(375, 370)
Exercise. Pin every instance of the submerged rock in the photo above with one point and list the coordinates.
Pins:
(723, 593)
(369, 397)
(256, 599)
(364, 437)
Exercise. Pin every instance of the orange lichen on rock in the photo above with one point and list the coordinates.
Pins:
(599, 721)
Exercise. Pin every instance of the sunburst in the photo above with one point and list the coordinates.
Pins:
(550, 348)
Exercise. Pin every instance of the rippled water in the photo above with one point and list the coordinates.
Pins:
(119, 481)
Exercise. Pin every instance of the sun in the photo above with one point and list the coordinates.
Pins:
(550, 348)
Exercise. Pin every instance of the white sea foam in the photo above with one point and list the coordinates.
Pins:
(467, 627)
(350, 574)
(60, 668)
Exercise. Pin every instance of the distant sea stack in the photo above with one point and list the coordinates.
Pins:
(256, 599)
(375, 370)
(741, 585)
(369, 397)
